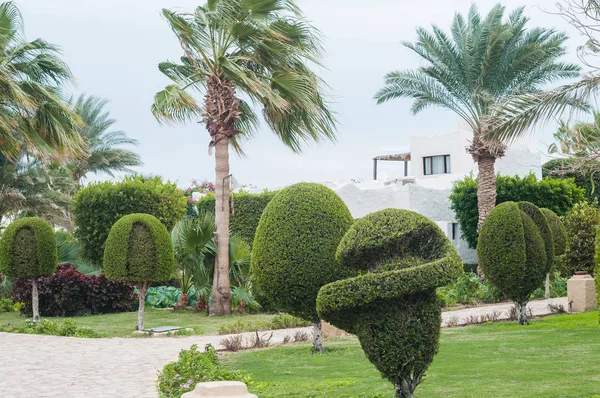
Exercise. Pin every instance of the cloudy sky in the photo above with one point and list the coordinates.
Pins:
(114, 46)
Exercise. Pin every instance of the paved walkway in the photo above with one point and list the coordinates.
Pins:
(51, 366)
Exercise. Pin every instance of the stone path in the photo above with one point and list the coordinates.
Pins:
(51, 366)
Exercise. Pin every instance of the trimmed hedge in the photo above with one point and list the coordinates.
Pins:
(28, 249)
(513, 253)
(558, 195)
(541, 222)
(581, 225)
(559, 233)
(586, 176)
(246, 212)
(139, 249)
(68, 292)
(295, 244)
(99, 205)
(393, 308)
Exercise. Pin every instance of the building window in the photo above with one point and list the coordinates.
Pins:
(436, 165)
(454, 231)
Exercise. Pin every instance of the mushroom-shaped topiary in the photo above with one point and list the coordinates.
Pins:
(138, 249)
(392, 306)
(516, 251)
(559, 241)
(293, 253)
(28, 250)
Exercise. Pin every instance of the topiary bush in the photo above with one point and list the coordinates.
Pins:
(247, 208)
(513, 251)
(559, 240)
(294, 248)
(99, 205)
(28, 250)
(139, 249)
(581, 225)
(401, 258)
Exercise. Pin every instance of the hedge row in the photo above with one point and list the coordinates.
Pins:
(586, 176)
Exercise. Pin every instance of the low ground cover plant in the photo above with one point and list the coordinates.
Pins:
(67, 328)
(279, 321)
(193, 367)
(7, 305)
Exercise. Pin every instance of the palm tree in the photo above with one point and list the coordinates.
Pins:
(481, 63)
(34, 118)
(105, 154)
(579, 140)
(233, 51)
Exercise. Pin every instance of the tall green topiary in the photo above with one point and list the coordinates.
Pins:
(99, 205)
(581, 225)
(294, 248)
(28, 250)
(392, 307)
(138, 249)
(559, 240)
(516, 251)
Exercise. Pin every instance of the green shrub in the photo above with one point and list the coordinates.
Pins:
(68, 328)
(403, 257)
(581, 225)
(559, 239)
(138, 249)
(28, 249)
(513, 253)
(191, 368)
(99, 205)
(585, 176)
(247, 208)
(279, 321)
(469, 290)
(541, 222)
(7, 305)
(555, 194)
(295, 244)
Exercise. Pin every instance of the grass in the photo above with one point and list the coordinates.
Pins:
(557, 356)
(123, 324)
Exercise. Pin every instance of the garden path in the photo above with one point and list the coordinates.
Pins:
(52, 366)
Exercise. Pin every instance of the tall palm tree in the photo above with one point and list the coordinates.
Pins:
(481, 63)
(236, 51)
(33, 114)
(579, 140)
(105, 154)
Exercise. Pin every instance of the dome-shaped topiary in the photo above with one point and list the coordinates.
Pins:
(559, 232)
(513, 252)
(406, 257)
(293, 253)
(28, 250)
(139, 249)
(539, 219)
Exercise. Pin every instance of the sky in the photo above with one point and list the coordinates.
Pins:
(114, 46)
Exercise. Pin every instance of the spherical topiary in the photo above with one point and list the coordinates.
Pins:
(293, 254)
(139, 249)
(512, 252)
(393, 308)
(28, 250)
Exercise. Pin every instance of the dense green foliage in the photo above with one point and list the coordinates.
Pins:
(99, 205)
(247, 208)
(559, 239)
(406, 257)
(279, 321)
(512, 249)
(28, 249)
(138, 249)
(581, 225)
(193, 367)
(585, 175)
(67, 329)
(295, 245)
(555, 194)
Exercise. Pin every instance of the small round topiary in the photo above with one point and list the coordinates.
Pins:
(393, 308)
(512, 252)
(138, 249)
(293, 253)
(28, 250)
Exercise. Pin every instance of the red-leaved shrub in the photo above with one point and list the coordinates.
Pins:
(70, 293)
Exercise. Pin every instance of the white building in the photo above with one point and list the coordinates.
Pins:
(430, 168)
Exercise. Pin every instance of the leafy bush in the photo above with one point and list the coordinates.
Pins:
(7, 305)
(68, 292)
(247, 208)
(585, 176)
(279, 321)
(558, 288)
(469, 290)
(194, 367)
(28, 249)
(295, 244)
(165, 297)
(581, 225)
(404, 257)
(559, 238)
(513, 252)
(555, 194)
(67, 328)
(99, 205)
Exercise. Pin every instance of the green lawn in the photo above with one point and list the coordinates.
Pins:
(123, 324)
(557, 356)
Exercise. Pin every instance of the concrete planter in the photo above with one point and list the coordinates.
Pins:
(581, 292)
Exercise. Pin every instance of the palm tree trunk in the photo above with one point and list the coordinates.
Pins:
(220, 303)
(486, 187)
